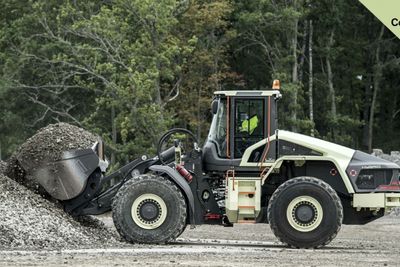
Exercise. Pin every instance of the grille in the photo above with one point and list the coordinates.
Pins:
(371, 179)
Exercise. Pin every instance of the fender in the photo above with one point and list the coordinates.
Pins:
(181, 183)
(277, 164)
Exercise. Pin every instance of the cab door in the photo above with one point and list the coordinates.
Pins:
(249, 123)
(249, 126)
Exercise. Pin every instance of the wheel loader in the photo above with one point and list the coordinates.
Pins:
(248, 171)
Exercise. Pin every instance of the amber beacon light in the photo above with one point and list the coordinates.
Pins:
(276, 85)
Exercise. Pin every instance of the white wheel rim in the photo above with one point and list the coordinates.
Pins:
(295, 222)
(155, 200)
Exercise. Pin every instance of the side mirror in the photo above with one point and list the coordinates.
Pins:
(214, 107)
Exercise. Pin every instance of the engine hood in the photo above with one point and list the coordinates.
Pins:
(366, 161)
(367, 173)
(341, 154)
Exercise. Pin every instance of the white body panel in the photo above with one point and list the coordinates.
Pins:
(341, 154)
(249, 92)
(376, 201)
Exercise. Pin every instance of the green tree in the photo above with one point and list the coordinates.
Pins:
(206, 26)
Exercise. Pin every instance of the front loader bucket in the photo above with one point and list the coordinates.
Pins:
(67, 178)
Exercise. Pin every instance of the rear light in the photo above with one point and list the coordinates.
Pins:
(212, 216)
(395, 185)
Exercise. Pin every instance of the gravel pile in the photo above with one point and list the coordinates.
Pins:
(47, 145)
(29, 221)
(394, 156)
(3, 166)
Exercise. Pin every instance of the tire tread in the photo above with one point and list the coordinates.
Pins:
(117, 211)
(311, 180)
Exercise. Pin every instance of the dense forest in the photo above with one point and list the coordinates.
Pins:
(130, 69)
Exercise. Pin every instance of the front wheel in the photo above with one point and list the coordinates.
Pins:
(149, 209)
(305, 212)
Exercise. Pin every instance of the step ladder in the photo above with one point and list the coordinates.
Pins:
(246, 202)
(243, 198)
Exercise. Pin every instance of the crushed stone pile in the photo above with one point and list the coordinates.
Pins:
(29, 221)
(3, 166)
(394, 156)
(47, 145)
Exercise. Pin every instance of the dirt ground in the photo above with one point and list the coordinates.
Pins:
(374, 244)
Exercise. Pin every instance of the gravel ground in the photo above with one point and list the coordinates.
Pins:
(374, 244)
(29, 221)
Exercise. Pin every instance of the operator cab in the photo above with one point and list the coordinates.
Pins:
(240, 120)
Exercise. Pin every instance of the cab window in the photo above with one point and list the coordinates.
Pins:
(218, 130)
(249, 124)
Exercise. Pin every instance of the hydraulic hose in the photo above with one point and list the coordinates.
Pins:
(167, 135)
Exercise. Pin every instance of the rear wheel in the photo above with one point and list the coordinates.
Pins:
(305, 212)
(149, 209)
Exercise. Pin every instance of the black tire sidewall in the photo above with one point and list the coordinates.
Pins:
(325, 229)
(173, 201)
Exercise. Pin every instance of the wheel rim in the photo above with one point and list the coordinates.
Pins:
(304, 213)
(149, 211)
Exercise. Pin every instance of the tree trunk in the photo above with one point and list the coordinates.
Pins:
(199, 121)
(155, 38)
(294, 51)
(113, 134)
(377, 76)
(366, 109)
(332, 94)
(295, 79)
(157, 85)
(330, 76)
(310, 77)
(303, 53)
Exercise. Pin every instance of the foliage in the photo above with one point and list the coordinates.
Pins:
(130, 69)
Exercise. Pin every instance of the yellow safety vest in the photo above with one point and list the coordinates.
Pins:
(253, 125)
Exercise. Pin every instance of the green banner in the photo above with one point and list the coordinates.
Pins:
(387, 11)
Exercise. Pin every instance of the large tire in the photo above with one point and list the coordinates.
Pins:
(305, 212)
(149, 209)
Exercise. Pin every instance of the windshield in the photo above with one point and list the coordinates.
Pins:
(217, 133)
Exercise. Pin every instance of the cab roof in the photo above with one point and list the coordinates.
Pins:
(249, 93)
